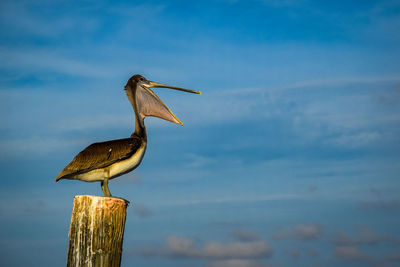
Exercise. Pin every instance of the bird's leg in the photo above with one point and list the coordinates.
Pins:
(104, 187)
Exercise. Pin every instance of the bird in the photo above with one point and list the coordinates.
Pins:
(103, 161)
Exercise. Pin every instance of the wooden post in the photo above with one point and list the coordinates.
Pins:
(97, 231)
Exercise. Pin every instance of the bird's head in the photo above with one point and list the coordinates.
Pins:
(146, 103)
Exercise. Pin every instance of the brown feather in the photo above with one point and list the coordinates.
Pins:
(100, 155)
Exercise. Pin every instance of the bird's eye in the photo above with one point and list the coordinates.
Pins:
(141, 79)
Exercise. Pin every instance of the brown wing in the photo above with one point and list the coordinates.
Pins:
(100, 155)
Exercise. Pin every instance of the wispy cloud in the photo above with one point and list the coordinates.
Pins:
(304, 116)
(321, 112)
(244, 235)
(312, 252)
(23, 207)
(36, 146)
(236, 263)
(393, 257)
(312, 188)
(294, 254)
(352, 254)
(366, 237)
(380, 200)
(39, 61)
(303, 232)
(142, 211)
(238, 199)
(100, 121)
(380, 205)
(182, 247)
(34, 21)
(355, 255)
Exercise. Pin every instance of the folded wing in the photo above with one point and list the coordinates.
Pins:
(100, 155)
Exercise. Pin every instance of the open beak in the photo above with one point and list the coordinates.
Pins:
(160, 85)
(151, 105)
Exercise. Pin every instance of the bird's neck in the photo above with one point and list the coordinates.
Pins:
(140, 128)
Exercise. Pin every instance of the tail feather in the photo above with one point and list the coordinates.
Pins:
(59, 177)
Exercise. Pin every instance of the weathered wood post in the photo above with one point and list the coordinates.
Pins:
(96, 232)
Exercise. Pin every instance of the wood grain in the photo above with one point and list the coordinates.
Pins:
(96, 232)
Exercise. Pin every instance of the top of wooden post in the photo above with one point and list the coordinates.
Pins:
(109, 202)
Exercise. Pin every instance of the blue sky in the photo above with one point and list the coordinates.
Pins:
(289, 158)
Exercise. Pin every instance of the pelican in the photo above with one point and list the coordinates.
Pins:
(101, 162)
